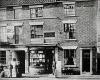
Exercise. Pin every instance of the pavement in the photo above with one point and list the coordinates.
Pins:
(69, 77)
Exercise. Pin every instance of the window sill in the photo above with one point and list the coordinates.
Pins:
(70, 66)
(37, 40)
(70, 39)
(49, 38)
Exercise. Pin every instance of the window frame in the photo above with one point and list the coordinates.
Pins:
(71, 29)
(36, 12)
(37, 58)
(66, 58)
(69, 11)
(34, 31)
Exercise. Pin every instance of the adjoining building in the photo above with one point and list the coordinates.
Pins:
(50, 36)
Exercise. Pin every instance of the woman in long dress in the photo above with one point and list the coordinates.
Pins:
(14, 69)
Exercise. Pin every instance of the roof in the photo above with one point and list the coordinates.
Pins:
(23, 2)
(4, 3)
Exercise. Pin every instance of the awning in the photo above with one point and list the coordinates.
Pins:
(69, 47)
(41, 45)
(36, 23)
(70, 21)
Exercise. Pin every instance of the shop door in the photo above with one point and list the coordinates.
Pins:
(21, 59)
(98, 63)
(86, 61)
(48, 61)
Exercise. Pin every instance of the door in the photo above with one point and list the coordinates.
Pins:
(21, 59)
(98, 64)
(48, 61)
(86, 61)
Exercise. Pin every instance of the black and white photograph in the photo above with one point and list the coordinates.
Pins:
(49, 39)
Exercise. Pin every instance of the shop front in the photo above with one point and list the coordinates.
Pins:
(8, 54)
(41, 59)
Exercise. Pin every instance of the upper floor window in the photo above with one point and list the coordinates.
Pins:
(10, 8)
(69, 9)
(69, 56)
(69, 29)
(36, 12)
(49, 34)
(25, 7)
(3, 34)
(17, 33)
(2, 14)
(36, 31)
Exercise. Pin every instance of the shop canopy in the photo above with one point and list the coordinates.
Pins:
(69, 47)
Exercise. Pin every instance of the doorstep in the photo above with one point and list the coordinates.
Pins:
(37, 76)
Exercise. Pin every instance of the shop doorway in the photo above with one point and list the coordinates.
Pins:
(86, 61)
(98, 64)
(21, 59)
(48, 61)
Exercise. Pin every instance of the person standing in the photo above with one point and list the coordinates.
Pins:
(10, 67)
(14, 69)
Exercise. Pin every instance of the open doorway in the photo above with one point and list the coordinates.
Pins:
(86, 61)
(98, 64)
(48, 61)
(21, 59)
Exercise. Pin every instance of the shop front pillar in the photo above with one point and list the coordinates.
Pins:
(26, 61)
(81, 61)
(58, 64)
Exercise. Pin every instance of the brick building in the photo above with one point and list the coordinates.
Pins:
(50, 36)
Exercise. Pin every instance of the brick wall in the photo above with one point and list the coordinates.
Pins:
(86, 27)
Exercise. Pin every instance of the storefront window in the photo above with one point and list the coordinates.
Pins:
(2, 57)
(37, 58)
(69, 56)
